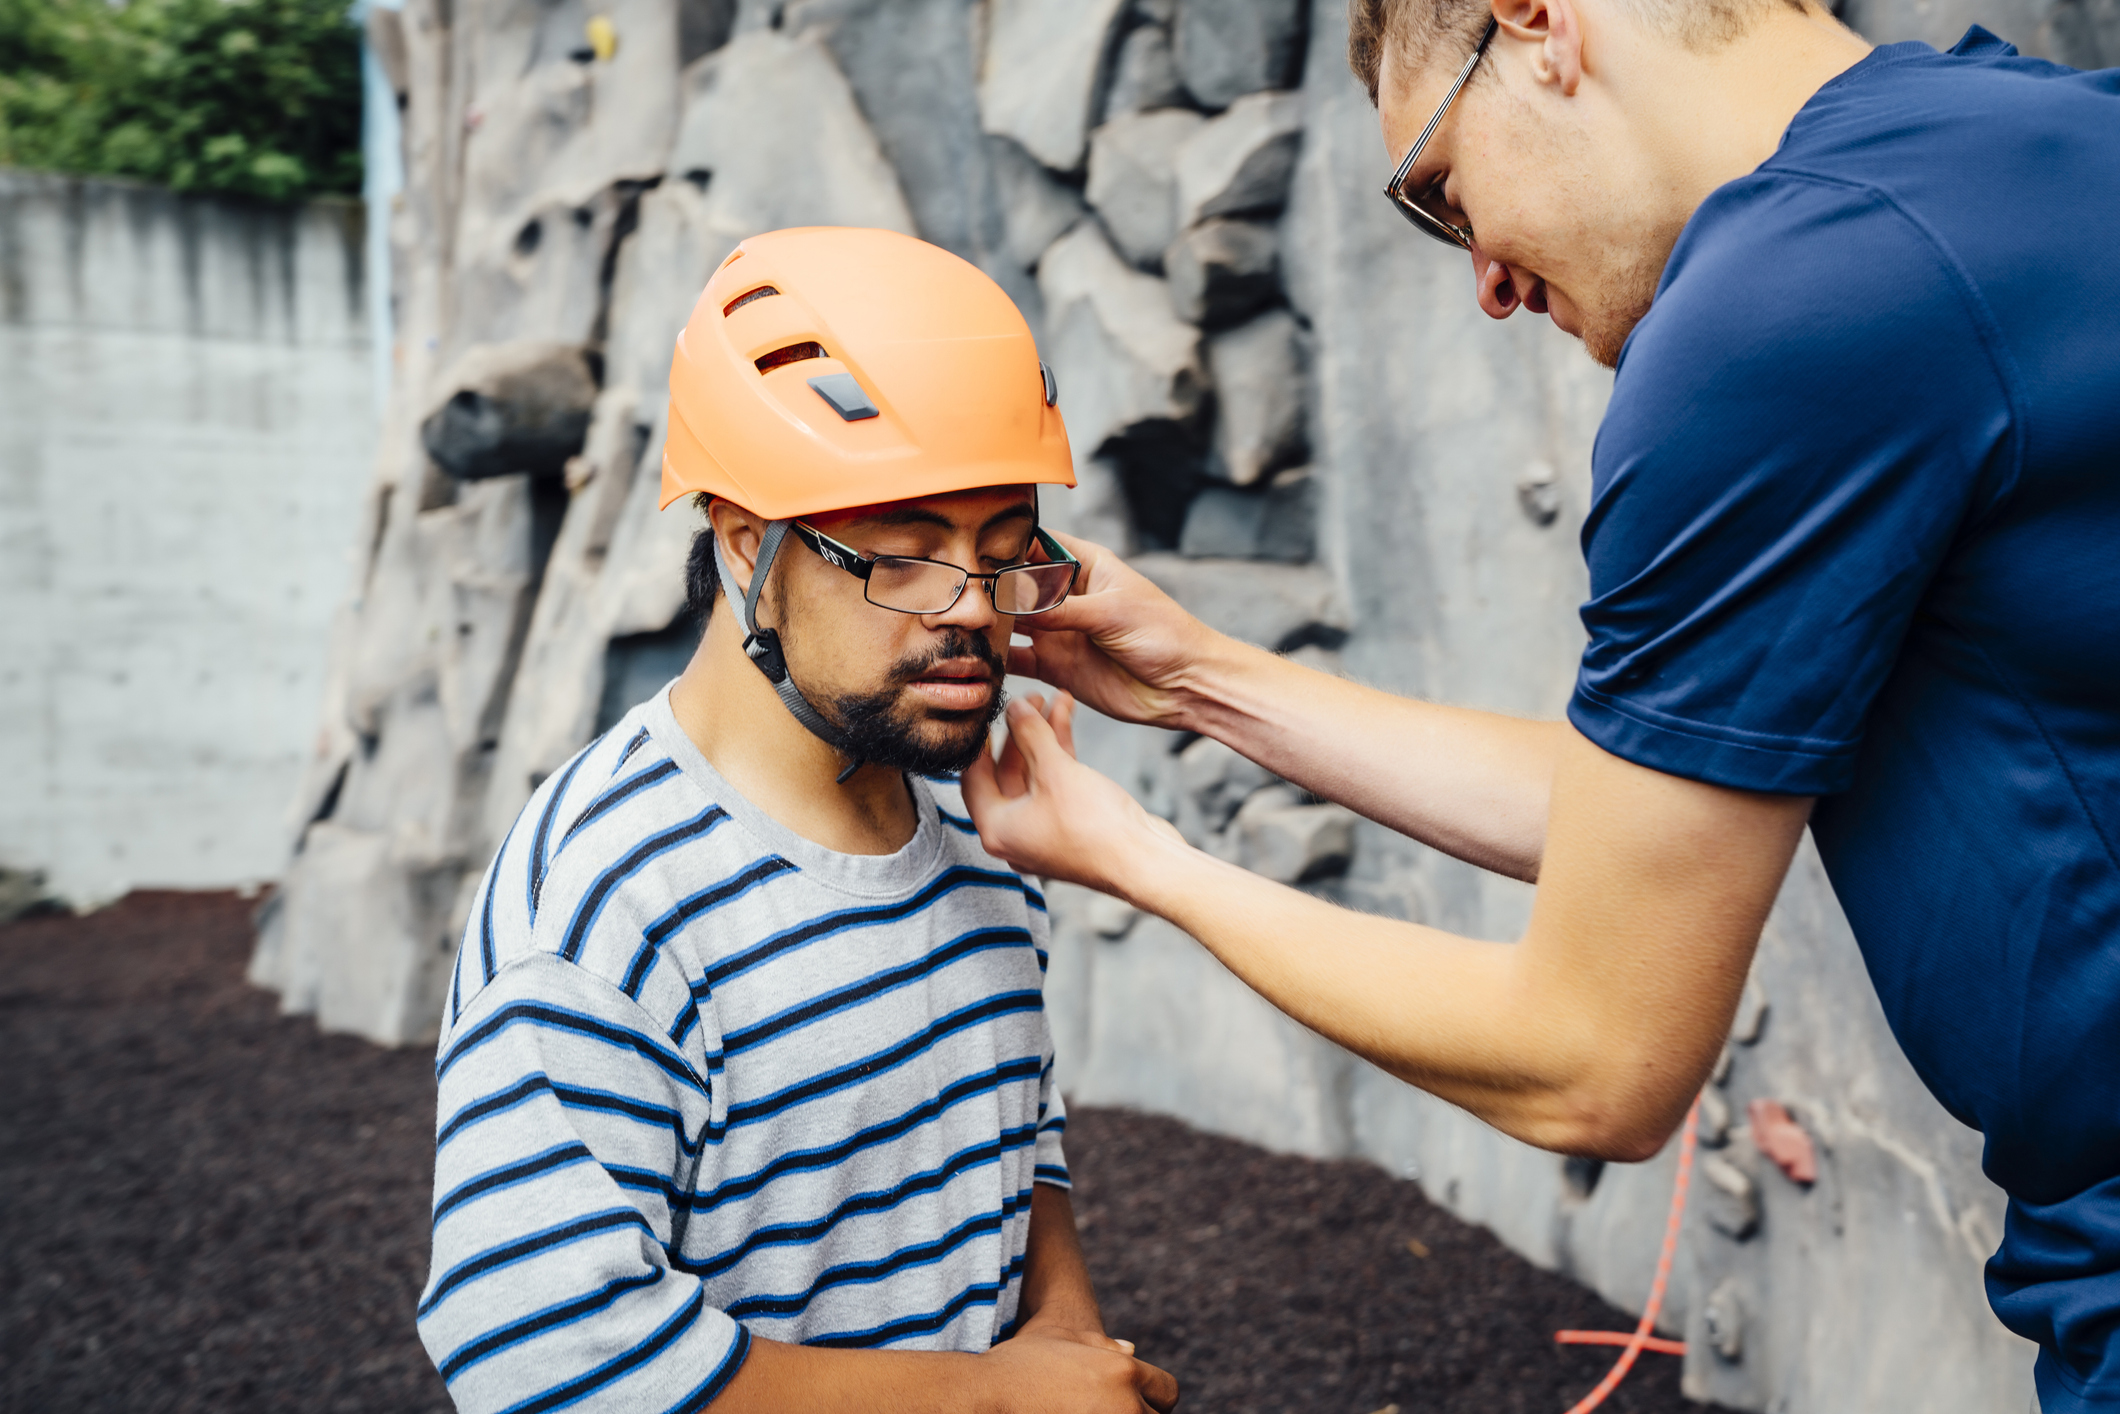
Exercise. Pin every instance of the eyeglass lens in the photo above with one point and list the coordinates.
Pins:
(928, 587)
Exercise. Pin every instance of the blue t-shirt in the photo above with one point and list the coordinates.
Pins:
(1856, 534)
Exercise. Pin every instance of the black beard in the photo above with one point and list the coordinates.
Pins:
(877, 733)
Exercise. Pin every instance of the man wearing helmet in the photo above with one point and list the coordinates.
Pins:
(746, 1092)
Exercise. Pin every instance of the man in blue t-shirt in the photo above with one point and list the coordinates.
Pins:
(1854, 556)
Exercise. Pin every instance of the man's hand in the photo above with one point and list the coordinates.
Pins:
(1118, 642)
(1046, 1369)
(1046, 813)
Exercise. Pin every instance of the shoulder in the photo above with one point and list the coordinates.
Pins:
(1806, 324)
(961, 850)
(585, 870)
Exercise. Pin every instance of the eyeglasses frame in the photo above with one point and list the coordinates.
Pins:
(1424, 221)
(847, 558)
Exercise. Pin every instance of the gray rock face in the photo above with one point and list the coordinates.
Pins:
(759, 172)
(912, 67)
(1228, 48)
(1259, 371)
(1145, 74)
(520, 407)
(1730, 1197)
(1277, 522)
(1045, 65)
(1275, 606)
(1290, 842)
(1241, 163)
(1035, 208)
(1213, 783)
(1133, 182)
(547, 141)
(1132, 384)
(1220, 271)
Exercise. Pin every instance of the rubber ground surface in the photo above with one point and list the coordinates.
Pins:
(205, 1206)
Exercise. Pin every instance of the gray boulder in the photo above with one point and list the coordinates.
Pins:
(1259, 373)
(1145, 75)
(1040, 81)
(550, 149)
(1241, 163)
(1281, 607)
(759, 172)
(1730, 1197)
(1213, 781)
(1035, 207)
(1283, 839)
(1131, 382)
(1132, 181)
(1228, 48)
(1122, 355)
(1279, 522)
(1222, 270)
(507, 408)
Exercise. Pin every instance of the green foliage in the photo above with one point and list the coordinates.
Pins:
(257, 98)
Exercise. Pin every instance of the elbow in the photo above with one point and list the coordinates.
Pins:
(1598, 1118)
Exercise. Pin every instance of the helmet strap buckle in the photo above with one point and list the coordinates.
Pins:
(762, 646)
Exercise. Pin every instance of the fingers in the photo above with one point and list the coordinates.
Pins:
(1011, 772)
(1029, 730)
(1062, 720)
(1159, 1388)
(1023, 660)
(1125, 1345)
(978, 785)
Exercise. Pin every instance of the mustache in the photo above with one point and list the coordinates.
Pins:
(955, 644)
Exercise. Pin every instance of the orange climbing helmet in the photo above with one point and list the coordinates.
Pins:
(828, 367)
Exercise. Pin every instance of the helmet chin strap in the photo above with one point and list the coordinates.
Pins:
(762, 647)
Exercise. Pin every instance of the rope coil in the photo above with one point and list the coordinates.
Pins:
(1641, 1339)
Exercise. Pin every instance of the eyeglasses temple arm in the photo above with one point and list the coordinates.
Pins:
(1398, 178)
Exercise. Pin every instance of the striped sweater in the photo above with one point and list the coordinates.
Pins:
(700, 1078)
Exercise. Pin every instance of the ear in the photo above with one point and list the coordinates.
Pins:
(738, 532)
(1556, 27)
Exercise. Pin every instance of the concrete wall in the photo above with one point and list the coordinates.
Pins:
(186, 430)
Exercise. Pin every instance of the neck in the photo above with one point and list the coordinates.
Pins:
(1714, 117)
(731, 713)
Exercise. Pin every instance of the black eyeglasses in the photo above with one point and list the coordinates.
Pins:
(1426, 211)
(910, 586)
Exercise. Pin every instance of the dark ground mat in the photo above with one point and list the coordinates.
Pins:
(207, 1207)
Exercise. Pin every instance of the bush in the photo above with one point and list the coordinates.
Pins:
(258, 98)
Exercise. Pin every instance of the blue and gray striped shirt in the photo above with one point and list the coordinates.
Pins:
(701, 1078)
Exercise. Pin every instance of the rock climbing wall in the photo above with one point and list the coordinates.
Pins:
(1285, 410)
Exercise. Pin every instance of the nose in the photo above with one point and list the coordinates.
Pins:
(974, 611)
(1497, 291)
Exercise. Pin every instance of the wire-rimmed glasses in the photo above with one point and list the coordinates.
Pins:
(912, 586)
(1412, 207)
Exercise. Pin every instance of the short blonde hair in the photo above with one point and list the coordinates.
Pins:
(1417, 28)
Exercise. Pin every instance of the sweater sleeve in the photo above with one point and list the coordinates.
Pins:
(569, 1128)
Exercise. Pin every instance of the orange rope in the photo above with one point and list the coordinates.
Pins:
(1641, 1340)
(1654, 1343)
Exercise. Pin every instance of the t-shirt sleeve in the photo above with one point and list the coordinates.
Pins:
(1799, 430)
(568, 1124)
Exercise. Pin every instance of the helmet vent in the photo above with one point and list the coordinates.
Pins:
(793, 353)
(743, 299)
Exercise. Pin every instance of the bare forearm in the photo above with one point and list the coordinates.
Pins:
(802, 1379)
(1056, 1285)
(1475, 785)
(1058, 1362)
(1465, 1020)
